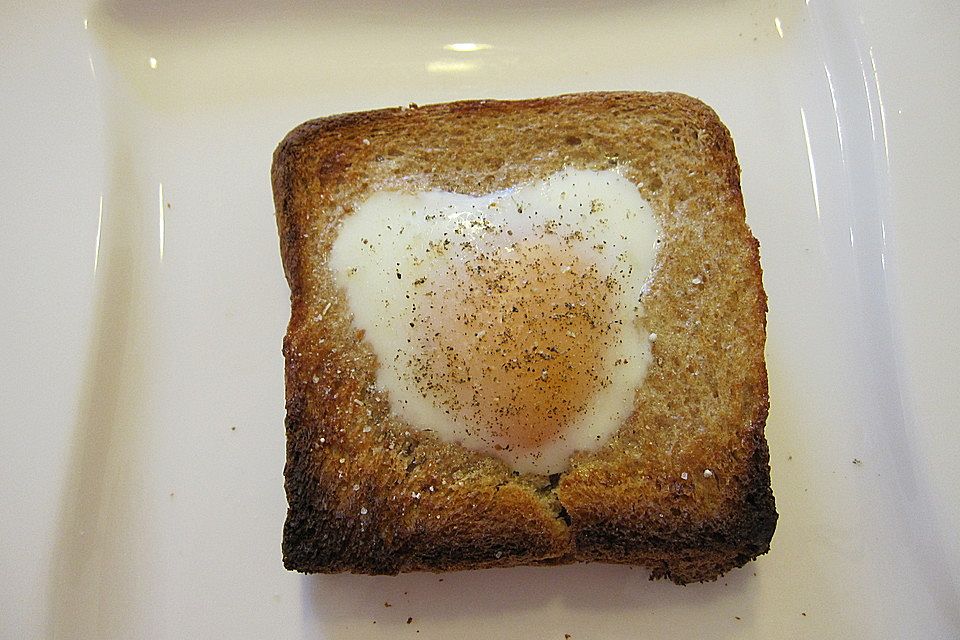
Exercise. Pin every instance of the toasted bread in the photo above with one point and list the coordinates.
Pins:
(682, 488)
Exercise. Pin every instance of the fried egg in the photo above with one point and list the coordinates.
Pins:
(511, 323)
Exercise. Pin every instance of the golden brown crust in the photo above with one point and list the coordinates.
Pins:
(683, 488)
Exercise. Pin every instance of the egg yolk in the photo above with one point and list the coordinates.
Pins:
(514, 342)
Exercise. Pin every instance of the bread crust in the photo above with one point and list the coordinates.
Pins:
(682, 488)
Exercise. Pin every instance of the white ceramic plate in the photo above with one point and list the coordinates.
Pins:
(143, 306)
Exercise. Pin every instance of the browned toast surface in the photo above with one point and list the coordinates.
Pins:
(682, 488)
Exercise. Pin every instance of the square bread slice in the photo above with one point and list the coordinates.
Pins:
(682, 488)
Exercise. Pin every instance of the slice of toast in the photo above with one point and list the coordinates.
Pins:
(683, 487)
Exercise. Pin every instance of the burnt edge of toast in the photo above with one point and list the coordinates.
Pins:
(317, 536)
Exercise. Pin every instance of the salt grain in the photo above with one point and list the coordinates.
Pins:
(707, 473)
(363, 511)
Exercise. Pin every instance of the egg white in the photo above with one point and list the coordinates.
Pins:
(394, 240)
